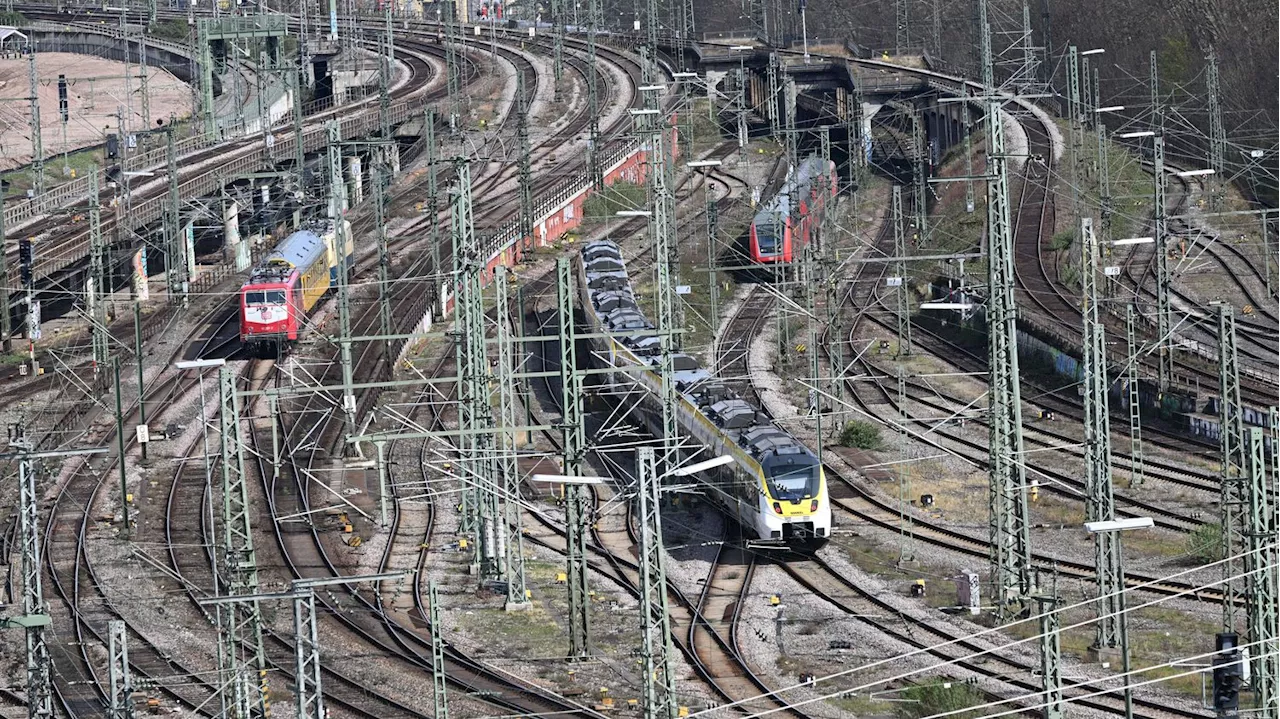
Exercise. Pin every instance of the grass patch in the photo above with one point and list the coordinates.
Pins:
(1130, 187)
(618, 196)
(77, 164)
(950, 698)
(530, 632)
(861, 434)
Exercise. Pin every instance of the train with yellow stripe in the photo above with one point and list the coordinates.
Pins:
(287, 284)
(774, 487)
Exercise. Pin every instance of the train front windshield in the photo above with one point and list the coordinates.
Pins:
(270, 297)
(793, 480)
(768, 237)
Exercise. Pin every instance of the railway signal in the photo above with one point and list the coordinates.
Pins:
(1228, 670)
(26, 258)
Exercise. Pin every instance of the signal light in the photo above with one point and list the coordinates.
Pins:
(777, 508)
(1227, 673)
(26, 254)
(62, 98)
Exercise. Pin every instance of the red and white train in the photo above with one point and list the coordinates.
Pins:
(775, 229)
(286, 284)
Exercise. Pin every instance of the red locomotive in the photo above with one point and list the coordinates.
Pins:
(774, 228)
(286, 284)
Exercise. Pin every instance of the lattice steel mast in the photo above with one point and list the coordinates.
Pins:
(239, 558)
(1010, 529)
(659, 687)
(573, 431)
(1231, 442)
(1100, 505)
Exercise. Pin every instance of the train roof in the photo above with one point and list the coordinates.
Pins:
(612, 302)
(299, 250)
(798, 182)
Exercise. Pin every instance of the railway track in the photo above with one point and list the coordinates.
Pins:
(860, 298)
(707, 641)
(306, 554)
(84, 494)
(947, 644)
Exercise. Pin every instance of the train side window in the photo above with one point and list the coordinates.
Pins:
(255, 298)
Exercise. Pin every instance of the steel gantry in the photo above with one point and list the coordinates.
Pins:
(659, 688)
(1262, 537)
(1009, 520)
(475, 411)
(662, 230)
(37, 143)
(508, 466)
(119, 678)
(594, 21)
(1231, 438)
(309, 688)
(380, 181)
(6, 318)
(557, 36)
(35, 615)
(337, 215)
(1164, 343)
(904, 299)
(525, 164)
(573, 432)
(97, 288)
(439, 680)
(1136, 464)
(240, 622)
(431, 208)
(176, 252)
(1100, 505)
(453, 63)
(902, 27)
(1050, 656)
(1217, 133)
(1075, 117)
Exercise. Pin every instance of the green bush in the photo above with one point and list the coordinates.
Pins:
(1205, 544)
(1070, 276)
(932, 699)
(175, 29)
(860, 434)
(1062, 240)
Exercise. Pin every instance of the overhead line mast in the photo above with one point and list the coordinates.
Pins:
(1009, 515)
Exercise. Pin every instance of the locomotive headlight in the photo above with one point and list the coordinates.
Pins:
(777, 507)
(813, 505)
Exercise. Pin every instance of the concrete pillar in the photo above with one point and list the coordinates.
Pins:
(393, 159)
(235, 247)
(355, 182)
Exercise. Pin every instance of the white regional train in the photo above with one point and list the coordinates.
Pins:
(775, 488)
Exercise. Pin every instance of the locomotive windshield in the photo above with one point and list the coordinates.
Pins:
(793, 478)
(767, 236)
(270, 297)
